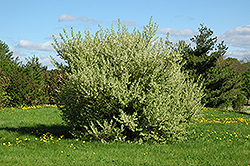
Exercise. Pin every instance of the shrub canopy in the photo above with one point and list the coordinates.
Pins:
(125, 86)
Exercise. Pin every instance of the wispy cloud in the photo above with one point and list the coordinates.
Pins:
(29, 45)
(125, 22)
(50, 37)
(87, 26)
(239, 54)
(177, 32)
(16, 51)
(184, 17)
(85, 19)
(128, 23)
(66, 17)
(237, 37)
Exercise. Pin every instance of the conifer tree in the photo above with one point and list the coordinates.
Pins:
(221, 81)
(246, 84)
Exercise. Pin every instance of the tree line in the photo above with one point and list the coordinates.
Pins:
(226, 81)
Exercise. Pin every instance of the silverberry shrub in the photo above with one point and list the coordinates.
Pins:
(126, 86)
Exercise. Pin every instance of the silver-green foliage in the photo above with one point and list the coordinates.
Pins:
(126, 86)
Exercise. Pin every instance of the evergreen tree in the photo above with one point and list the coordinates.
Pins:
(220, 81)
(7, 64)
(7, 61)
(5, 53)
(246, 83)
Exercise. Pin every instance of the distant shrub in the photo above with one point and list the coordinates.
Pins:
(54, 79)
(26, 83)
(126, 87)
(239, 102)
(4, 98)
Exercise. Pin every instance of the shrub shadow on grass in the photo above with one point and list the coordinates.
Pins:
(40, 129)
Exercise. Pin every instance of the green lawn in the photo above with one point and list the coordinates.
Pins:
(36, 136)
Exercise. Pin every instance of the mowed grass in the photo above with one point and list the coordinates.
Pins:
(37, 136)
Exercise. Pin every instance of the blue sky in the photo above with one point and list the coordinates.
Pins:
(27, 25)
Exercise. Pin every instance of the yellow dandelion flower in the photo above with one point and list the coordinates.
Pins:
(83, 142)
(4, 144)
(61, 151)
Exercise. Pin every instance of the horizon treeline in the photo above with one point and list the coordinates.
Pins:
(226, 80)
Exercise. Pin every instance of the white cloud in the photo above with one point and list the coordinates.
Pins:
(66, 17)
(43, 56)
(239, 54)
(184, 17)
(85, 19)
(29, 45)
(50, 37)
(237, 37)
(128, 23)
(177, 32)
(46, 61)
(87, 26)
(16, 51)
(125, 22)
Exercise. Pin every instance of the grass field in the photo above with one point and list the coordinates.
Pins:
(36, 136)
